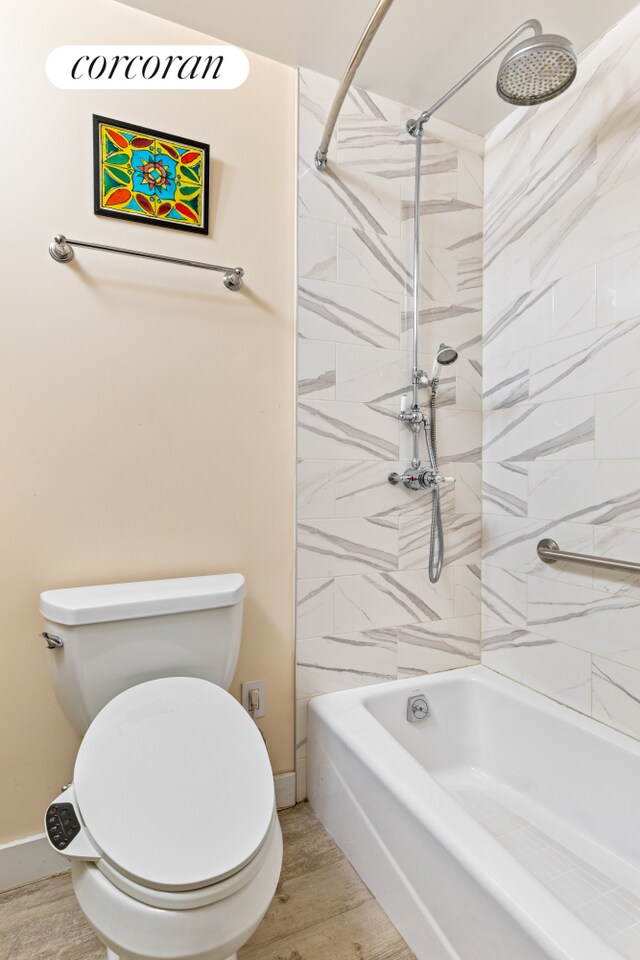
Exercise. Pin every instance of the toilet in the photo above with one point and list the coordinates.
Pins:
(170, 822)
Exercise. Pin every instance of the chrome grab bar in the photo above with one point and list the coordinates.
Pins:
(549, 552)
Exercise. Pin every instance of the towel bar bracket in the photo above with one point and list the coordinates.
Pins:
(60, 250)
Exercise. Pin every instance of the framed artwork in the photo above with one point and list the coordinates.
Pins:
(149, 176)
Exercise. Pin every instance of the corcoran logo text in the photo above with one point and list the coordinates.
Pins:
(166, 67)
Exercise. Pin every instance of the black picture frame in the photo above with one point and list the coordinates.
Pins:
(171, 139)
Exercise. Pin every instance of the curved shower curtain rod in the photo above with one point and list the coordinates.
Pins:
(370, 31)
(414, 127)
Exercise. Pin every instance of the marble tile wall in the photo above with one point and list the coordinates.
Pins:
(366, 609)
(562, 387)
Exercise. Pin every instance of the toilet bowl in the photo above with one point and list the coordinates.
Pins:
(170, 823)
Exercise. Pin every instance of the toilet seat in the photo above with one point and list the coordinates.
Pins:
(174, 787)
(203, 896)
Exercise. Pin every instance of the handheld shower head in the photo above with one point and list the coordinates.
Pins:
(444, 357)
(537, 69)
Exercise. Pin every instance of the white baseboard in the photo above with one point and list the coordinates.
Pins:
(285, 784)
(29, 859)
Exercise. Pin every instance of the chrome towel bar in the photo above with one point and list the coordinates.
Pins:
(549, 551)
(61, 249)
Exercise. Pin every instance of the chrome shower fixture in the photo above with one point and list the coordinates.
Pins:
(445, 356)
(537, 70)
(534, 71)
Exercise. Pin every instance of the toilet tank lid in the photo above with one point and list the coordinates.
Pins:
(147, 598)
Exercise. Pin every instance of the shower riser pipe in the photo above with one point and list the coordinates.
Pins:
(416, 373)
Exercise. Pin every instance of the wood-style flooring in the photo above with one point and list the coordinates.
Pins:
(321, 910)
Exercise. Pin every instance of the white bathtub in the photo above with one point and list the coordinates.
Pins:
(503, 827)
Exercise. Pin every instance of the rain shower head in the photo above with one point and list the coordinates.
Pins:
(537, 69)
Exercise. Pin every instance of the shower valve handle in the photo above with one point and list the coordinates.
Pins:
(432, 480)
(424, 478)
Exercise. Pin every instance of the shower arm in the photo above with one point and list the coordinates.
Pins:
(357, 57)
(414, 127)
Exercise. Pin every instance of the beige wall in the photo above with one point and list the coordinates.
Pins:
(146, 413)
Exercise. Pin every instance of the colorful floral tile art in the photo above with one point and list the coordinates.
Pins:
(149, 176)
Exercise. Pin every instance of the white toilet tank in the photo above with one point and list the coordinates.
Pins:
(108, 638)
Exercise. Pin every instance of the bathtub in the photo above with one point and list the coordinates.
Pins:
(501, 827)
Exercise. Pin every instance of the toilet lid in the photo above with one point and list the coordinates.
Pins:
(174, 784)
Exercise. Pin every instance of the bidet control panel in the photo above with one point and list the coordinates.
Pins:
(62, 824)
